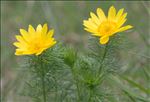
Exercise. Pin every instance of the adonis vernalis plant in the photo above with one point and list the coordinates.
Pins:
(104, 27)
(34, 41)
(62, 74)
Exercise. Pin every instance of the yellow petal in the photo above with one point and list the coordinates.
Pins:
(20, 45)
(51, 44)
(38, 31)
(45, 47)
(96, 34)
(122, 17)
(121, 20)
(39, 52)
(50, 33)
(22, 52)
(39, 28)
(92, 22)
(101, 14)
(119, 14)
(111, 13)
(44, 30)
(19, 38)
(17, 44)
(125, 28)
(104, 39)
(18, 52)
(119, 24)
(31, 29)
(89, 24)
(24, 34)
(90, 30)
(94, 18)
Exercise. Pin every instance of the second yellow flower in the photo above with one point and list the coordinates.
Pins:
(104, 27)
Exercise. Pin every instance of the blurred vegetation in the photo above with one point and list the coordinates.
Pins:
(66, 18)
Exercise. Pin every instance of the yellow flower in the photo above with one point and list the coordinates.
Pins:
(34, 41)
(104, 27)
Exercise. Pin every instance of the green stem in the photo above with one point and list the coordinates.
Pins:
(42, 78)
(56, 89)
(78, 91)
(104, 55)
(76, 82)
(90, 93)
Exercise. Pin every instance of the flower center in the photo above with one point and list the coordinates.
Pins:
(106, 27)
(34, 47)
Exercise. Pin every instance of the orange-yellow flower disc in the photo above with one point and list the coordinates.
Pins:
(34, 41)
(104, 27)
